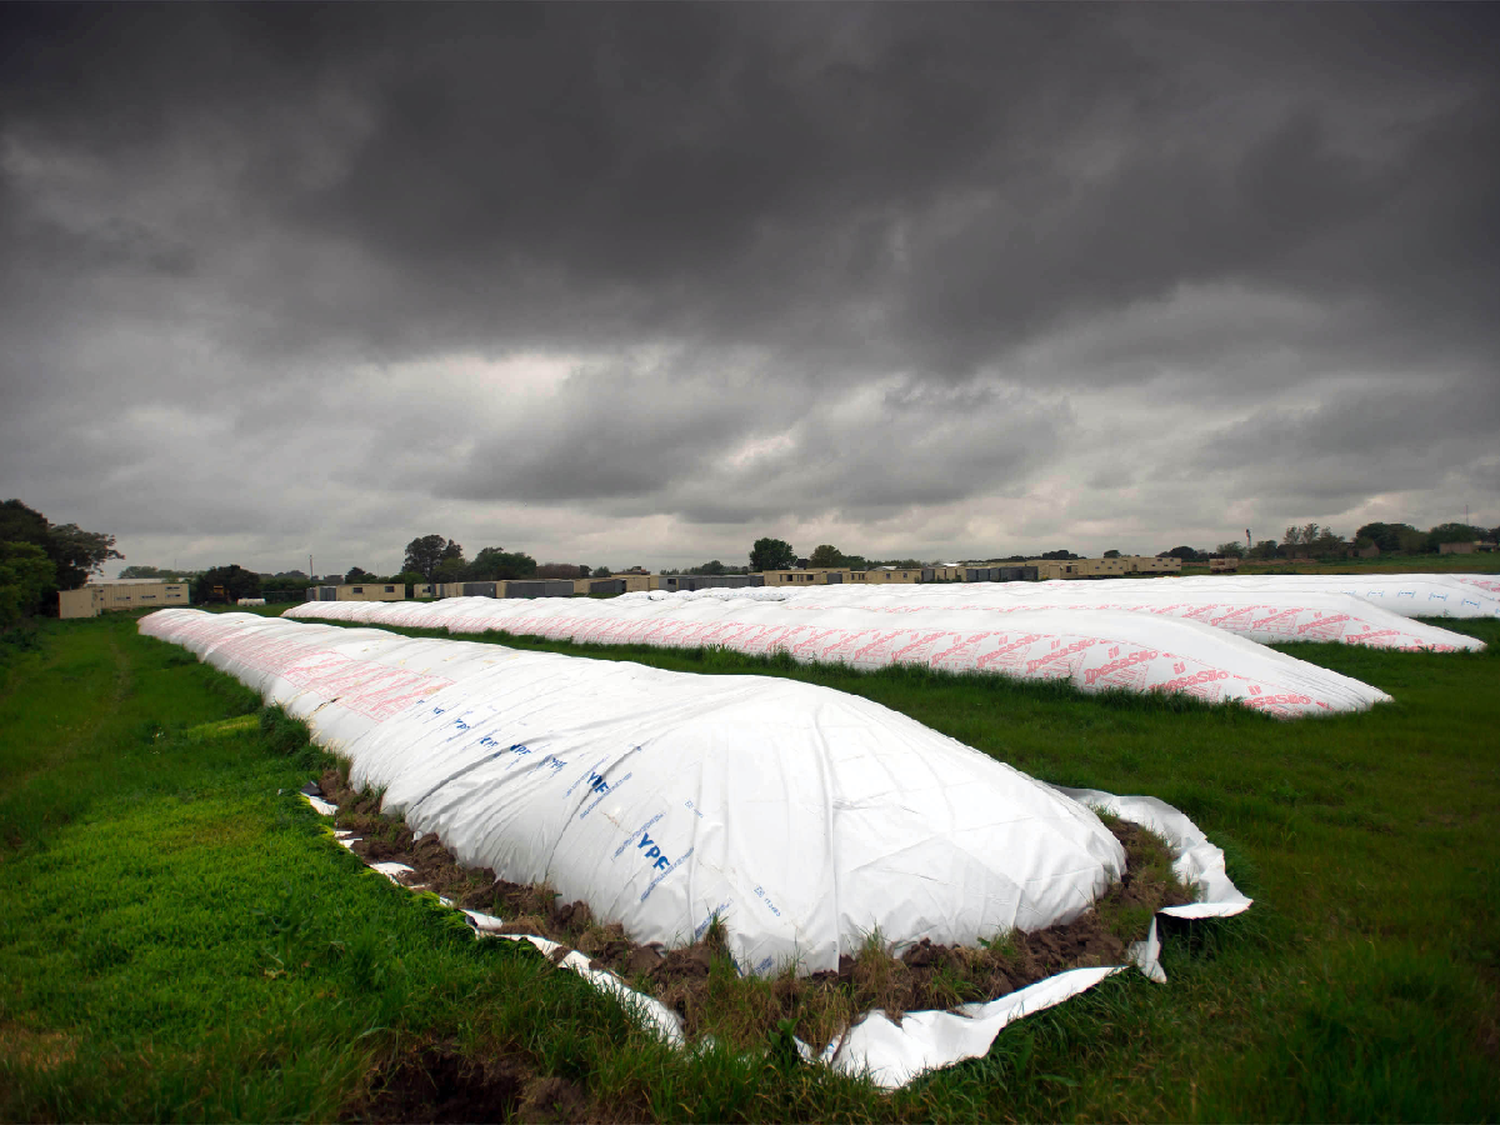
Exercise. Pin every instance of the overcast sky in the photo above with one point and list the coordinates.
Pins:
(641, 284)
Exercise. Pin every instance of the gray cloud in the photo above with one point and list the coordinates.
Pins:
(822, 267)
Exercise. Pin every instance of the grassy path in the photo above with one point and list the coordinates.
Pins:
(178, 940)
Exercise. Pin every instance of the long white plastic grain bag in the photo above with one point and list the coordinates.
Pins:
(1093, 650)
(804, 817)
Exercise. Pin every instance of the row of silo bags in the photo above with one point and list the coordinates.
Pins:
(1401, 595)
(803, 817)
(1094, 650)
(1269, 613)
(1458, 596)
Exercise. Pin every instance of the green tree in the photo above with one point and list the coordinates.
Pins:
(772, 554)
(1231, 550)
(76, 554)
(286, 580)
(1387, 536)
(20, 524)
(27, 578)
(1111, 554)
(450, 570)
(495, 564)
(407, 579)
(1264, 549)
(826, 555)
(79, 554)
(1184, 552)
(358, 574)
(147, 572)
(226, 584)
(1327, 543)
(1453, 533)
(425, 553)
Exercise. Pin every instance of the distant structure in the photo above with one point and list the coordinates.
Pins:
(104, 595)
(639, 580)
(358, 592)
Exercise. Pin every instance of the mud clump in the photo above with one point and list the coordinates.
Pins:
(435, 1084)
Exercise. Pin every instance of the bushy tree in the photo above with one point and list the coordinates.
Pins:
(79, 554)
(425, 553)
(1327, 543)
(358, 574)
(285, 581)
(76, 554)
(772, 554)
(1111, 554)
(226, 584)
(826, 555)
(495, 563)
(1060, 555)
(1453, 533)
(27, 579)
(1264, 549)
(451, 570)
(72, 554)
(1231, 550)
(1184, 552)
(20, 524)
(148, 572)
(1389, 536)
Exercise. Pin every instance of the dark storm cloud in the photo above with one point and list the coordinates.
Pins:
(971, 174)
(876, 243)
(1359, 444)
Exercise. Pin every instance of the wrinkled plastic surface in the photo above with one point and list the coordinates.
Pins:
(804, 817)
(1095, 650)
(1409, 595)
(892, 1053)
(1267, 616)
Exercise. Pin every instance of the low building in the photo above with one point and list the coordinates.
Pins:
(629, 582)
(1464, 548)
(943, 572)
(125, 593)
(1223, 565)
(678, 582)
(806, 577)
(358, 592)
(1009, 573)
(533, 588)
(885, 574)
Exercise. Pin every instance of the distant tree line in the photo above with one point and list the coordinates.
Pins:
(1311, 541)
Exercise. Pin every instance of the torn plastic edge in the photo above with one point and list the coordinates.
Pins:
(890, 1054)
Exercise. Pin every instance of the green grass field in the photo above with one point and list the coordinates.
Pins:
(179, 940)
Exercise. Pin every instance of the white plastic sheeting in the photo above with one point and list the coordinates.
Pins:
(1095, 650)
(1410, 595)
(1490, 583)
(1268, 616)
(893, 1052)
(805, 817)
